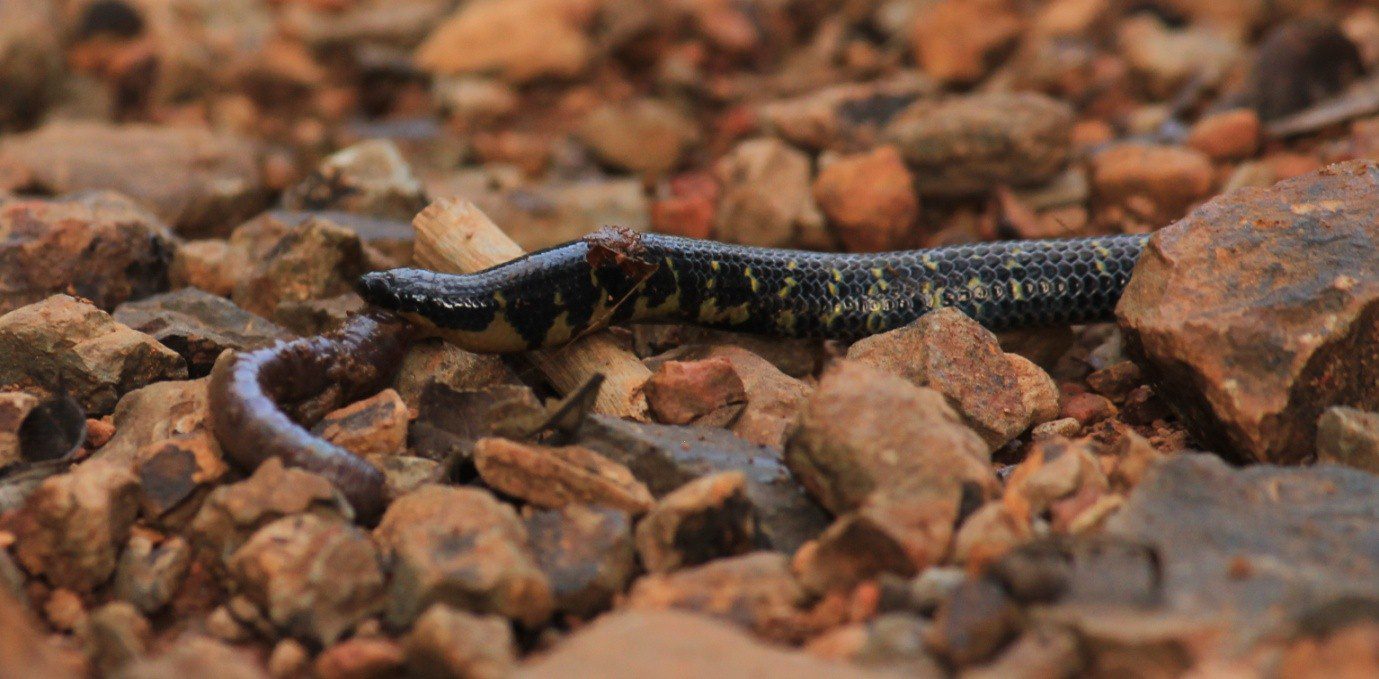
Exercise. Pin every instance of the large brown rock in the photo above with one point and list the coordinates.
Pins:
(1258, 311)
(649, 643)
(99, 246)
(462, 547)
(520, 40)
(865, 431)
(200, 182)
(315, 260)
(71, 529)
(199, 325)
(972, 143)
(63, 343)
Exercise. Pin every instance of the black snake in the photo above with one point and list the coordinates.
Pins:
(551, 296)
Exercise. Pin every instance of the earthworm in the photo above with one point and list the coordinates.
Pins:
(262, 401)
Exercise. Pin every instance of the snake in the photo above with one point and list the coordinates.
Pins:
(549, 297)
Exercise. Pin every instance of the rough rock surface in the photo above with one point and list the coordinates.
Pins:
(1350, 437)
(99, 246)
(446, 642)
(555, 477)
(314, 578)
(316, 260)
(1257, 311)
(954, 355)
(370, 178)
(63, 343)
(644, 643)
(201, 183)
(198, 326)
(869, 200)
(1263, 540)
(705, 519)
(587, 554)
(865, 430)
(462, 547)
(770, 203)
(969, 144)
(757, 591)
(72, 528)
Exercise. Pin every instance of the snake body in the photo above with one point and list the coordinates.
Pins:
(548, 297)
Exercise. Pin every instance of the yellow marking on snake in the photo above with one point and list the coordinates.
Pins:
(790, 284)
(1016, 290)
(785, 320)
(752, 281)
(833, 289)
(792, 265)
(838, 275)
(928, 263)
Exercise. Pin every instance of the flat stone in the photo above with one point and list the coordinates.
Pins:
(1254, 545)
(316, 260)
(1255, 313)
(67, 343)
(101, 247)
(156, 413)
(175, 475)
(632, 644)
(202, 183)
(369, 178)
(681, 392)
(375, 427)
(199, 326)
(437, 361)
(554, 477)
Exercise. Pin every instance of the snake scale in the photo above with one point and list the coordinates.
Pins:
(616, 275)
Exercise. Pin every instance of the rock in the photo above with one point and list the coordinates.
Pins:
(1350, 437)
(972, 143)
(681, 392)
(519, 41)
(200, 182)
(766, 197)
(1039, 652)
(196, 656)
(15, 407)
(1087, 408)
(643, 136)
(387, 239)
(375, 427)
(889, 644)
(314, 261)
(988, 533)
(289, 658)
(313, 578)
(1297, 64)
(1038, 391)
(864, 431)
(450, 422)
(1116, 381)
(690, 207)
(869, 200)
(1250, 355)
(198, 326)
(542, 215)
(954, 355)
(115, 635)
(155, 414)
(71, 529)
(64, 610)
(1167, 59)
(1156, 184)
(360, 658)
(446, 642)
(667, 457)
(436, 361)
(774, 399)
(462, 547)
(1230, 135)
(702, 520)
(954, 40)
(977, 620)
(556, 477)
(644, 643)
(233, 512)
(149, 574)
(24, 643)
(1058, 479)
(899, 532)
(586, 553)
(1253, 546)
(30, 62)
(756, 591)
(318, 316)
(64, 343)
(370, 178)
(98, 246)
(843, 116)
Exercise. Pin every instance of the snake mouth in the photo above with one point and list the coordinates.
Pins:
(378, 289)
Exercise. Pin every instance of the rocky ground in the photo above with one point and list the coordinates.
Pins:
(1191, 489)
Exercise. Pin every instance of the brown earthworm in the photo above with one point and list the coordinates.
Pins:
(261, 401)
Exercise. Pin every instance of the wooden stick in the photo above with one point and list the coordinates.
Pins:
(454, 236)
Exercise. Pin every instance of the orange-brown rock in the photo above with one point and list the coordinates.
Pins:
(99, 246)
(954, 39)
(681, 392)
(555, 477)
(755, 590)
(72, 528)
(519, 40)
(374, 427)
(870, 200)
(1258, 311)
(705, 519)
(1230, 135)
(1155, 184)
